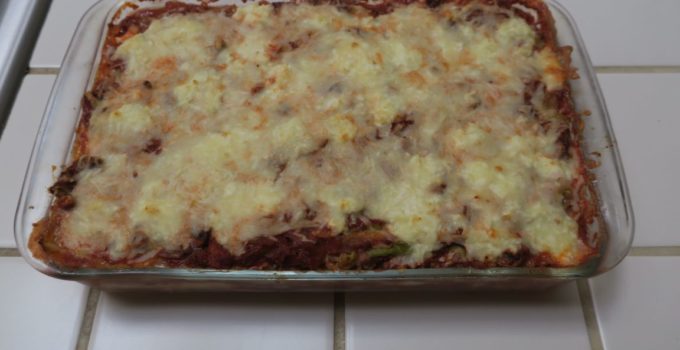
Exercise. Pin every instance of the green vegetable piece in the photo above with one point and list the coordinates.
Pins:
(399, 248)
(347, 259)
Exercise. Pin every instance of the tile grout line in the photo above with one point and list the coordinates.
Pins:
(637, 69)
(655, 251)
(339, 321)
(9, 252)
(589, 315)
(43, 70)
(88, 319)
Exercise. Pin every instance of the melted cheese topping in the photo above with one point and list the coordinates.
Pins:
(268, 113)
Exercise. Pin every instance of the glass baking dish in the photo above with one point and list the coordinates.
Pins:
(56, 134)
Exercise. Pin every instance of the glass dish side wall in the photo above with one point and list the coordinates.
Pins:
(56, 132)
(600, 146)
(55, 137)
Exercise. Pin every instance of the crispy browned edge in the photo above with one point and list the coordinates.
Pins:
(206, 252)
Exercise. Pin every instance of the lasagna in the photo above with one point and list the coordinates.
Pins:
(326, 135)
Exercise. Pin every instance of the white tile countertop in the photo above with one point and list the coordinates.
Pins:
(480, 321)
(635, 48)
